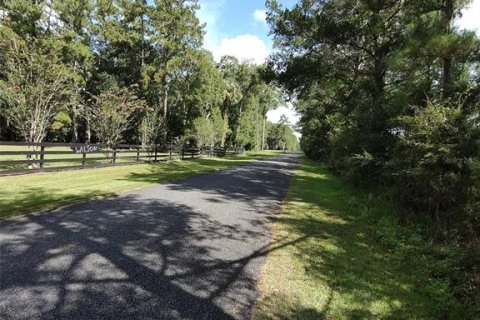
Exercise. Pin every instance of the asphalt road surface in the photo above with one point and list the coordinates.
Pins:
(186, 250)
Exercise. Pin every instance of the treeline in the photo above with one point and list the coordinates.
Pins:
(389, 96)
(280, 136)
(123, 71)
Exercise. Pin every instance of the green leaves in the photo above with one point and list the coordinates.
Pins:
(112, 114)
(34, 87)
(204, 130)
(130, 70)
(381, 89)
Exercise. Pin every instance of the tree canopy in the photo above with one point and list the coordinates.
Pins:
(388, 93)
(389, 96)
(129, 71)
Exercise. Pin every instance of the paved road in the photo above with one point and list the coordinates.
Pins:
(187, 250)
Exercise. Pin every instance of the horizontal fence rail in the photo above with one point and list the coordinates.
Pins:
(24, 157)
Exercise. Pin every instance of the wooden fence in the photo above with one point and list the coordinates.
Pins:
(23, 157)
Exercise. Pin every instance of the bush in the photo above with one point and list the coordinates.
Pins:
(204, 131)
(433, 167)
(61, 128)
(113, 112)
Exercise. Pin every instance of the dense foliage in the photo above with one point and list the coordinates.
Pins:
(130, 71)
(280, 136)
(389, 96)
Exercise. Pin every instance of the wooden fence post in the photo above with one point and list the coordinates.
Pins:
(155, 150)
(84, 157)
(138, 154)
(114, 154)
(42, 156)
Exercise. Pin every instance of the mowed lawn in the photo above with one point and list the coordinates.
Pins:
(339, 253)
(44, 191)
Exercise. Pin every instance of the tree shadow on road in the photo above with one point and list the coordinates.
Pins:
(128, 258)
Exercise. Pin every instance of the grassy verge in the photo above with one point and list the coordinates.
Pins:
(44, 191)
(341, 254)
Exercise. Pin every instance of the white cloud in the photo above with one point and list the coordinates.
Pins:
(470, 19)
(209, 14)
(260, 16)
(244, 47)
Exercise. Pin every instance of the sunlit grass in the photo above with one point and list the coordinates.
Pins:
(44, 191)
(350, 258)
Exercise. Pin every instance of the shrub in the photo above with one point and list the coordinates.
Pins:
(433, 167)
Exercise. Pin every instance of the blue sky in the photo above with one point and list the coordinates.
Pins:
(238, 28)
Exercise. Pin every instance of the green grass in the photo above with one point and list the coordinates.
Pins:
(339, 253)
(45, 191)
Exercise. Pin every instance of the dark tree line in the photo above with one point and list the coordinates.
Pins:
(389, 96)
(127, 71)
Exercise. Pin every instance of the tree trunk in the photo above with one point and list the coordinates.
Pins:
(165, 112)
(75, 109)
(448, 59)
(32, 137)
(225, 122)
(75, 125)
(184, 113)
(379, 79)
(88, 131)
(263, 133)
(165, 103)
